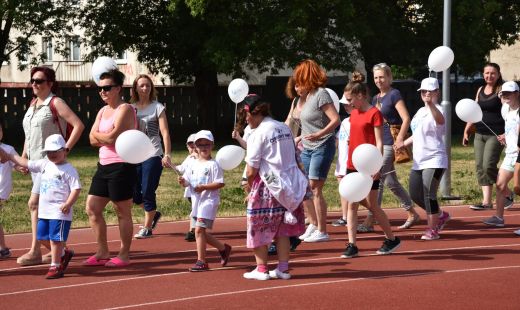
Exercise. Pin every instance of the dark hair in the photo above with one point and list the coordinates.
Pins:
(500, 80)
(357, 85)
(50, 76)
(115, 75)
(290, 92)
(254, 105)
(135, 94)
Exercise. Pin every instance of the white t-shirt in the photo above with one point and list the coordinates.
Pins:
(6, 175)
(512, 120)
(204, 204)
(247, 133)
(186, 164)
(342, 136)
(429, 150)
(56, 183)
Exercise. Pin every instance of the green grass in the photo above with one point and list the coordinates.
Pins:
(15, 215)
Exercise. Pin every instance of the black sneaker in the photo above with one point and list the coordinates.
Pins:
(350, 251)
(480, 206)
(272, 249)
(65, 259)
(156, 218)
(190, 236)
(389, 246)
(295, 242)
(509, 201)
(339, 223)
(5, 253)
(224, 255)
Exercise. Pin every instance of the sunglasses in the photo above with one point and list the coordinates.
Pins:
(423, 91)
(37, 81)
(203, 145)
(106, 88)
(380, 66)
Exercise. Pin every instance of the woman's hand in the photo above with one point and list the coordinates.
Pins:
(465, 139)
(502, 139)
(235, 135)
(312, 137)
(399, 144)
(166, 161)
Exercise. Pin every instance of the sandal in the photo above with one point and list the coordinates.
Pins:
(362, 228)
(410, 222)
(26, 260)
(116, 262)
(94, 261)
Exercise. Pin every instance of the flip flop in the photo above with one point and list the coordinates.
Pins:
(94, 261)
(116, 262)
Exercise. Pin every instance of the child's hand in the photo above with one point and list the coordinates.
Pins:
(182, 181)
(65, 209)
(199, 188)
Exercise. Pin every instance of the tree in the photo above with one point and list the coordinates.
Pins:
(194, 40)
(22, 20)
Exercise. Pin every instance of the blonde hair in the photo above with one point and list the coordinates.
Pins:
(386, 69)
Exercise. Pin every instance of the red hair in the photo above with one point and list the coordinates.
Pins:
(309, 75)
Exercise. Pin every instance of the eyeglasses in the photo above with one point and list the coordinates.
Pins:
(106, 88)
(380, 66)
(203, 145)
(37, 81)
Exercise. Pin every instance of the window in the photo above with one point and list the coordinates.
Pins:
(47, 49)
(121, 57)
(74, 49)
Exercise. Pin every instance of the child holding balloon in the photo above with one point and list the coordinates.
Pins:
(366, 124)
(205, 179)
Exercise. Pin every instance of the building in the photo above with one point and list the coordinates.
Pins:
(508, 57)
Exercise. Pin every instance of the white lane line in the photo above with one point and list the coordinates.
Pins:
(240, 267)
(411, 274)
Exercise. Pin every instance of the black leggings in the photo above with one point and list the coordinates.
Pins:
(423, 188)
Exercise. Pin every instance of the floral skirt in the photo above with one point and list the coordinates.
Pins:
(265, 217)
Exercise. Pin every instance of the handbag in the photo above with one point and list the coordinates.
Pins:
(404, 154)
(294, 124)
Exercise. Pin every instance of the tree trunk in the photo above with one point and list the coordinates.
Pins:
(206, 89)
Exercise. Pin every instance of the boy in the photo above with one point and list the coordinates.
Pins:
(205, 179)
(59, 190)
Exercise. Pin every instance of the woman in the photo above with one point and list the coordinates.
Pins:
(39, 123)
(277, 187)
(429, 157)
(114, 179)
(152, 121)
(395, 113)
(319, 119)
(365, 127)
(486, 145)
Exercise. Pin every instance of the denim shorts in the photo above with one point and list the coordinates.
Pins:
(317, 161)
(200, 222)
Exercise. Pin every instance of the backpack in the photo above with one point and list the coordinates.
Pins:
(56, 120)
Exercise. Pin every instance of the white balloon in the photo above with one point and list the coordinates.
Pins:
(355, 186)
(334, 97)
(468, 110)
(101, 65)
(367, 159)
(238, 90)
(230, 156)
(440, 58)
(134, 146)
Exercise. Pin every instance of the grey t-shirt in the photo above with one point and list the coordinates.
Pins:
(313, 118)
(149, 124)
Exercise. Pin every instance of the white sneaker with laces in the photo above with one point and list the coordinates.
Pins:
(257, 275)
(308, 232)
(317, 236)
(277, 274)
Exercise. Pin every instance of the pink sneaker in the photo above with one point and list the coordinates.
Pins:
(430, 234)
(443, 219)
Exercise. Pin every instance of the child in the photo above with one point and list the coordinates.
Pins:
(6, 187)
(59, 190)
(205, 179)
(192, 156)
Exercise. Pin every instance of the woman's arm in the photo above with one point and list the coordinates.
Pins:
(66, 113)
(400, 106)
(334, 122)
(125, 120)
(289, 115)
(235, 135)
(378, 131)
(93, 140)
(165, 133)
(251, 172)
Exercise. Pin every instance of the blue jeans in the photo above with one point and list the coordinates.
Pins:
(317, 161)
(148, 175)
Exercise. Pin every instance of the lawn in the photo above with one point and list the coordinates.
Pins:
(15, 215)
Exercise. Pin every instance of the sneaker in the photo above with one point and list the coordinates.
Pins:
(517, 232)
(310, 229)
(272, 249)
(257, 275)
(494, 221)
(5, 253)
(340, 222)
(156, 219)
(361, 228)
(350, 251)
(143, 233)
(389, 246)
(199, 266)
(295, 242)
(430, 234)
(481, 207)
(54, 273)
(65, 259)
(190, 236)
(224, 255)
(277, 274)
(509, 201)
(444, 217)
(411, 222)
(317, 236)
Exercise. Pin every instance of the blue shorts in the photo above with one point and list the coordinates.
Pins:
(317, 161)
(54, 230)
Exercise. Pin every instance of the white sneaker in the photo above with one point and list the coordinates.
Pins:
(517, 232)
(257, 275)
(317, 236)
(277, 274)
(308, 232)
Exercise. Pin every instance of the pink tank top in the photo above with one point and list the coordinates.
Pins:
(107, 153)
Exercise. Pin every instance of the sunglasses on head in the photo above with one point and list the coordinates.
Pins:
(380, 66)
(37, 81)
(106, 88)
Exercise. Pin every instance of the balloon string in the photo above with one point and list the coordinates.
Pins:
(235, 120)
(489, 128)
(388, 172)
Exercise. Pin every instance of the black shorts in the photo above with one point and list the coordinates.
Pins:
(375, 184)
(115, 181)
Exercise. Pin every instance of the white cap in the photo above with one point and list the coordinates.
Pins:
(510, 86)
(204, 134)
(429, 84)
(343, 100)
(191, 138)
(54, 142)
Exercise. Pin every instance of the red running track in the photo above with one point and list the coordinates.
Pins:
(472, 266)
